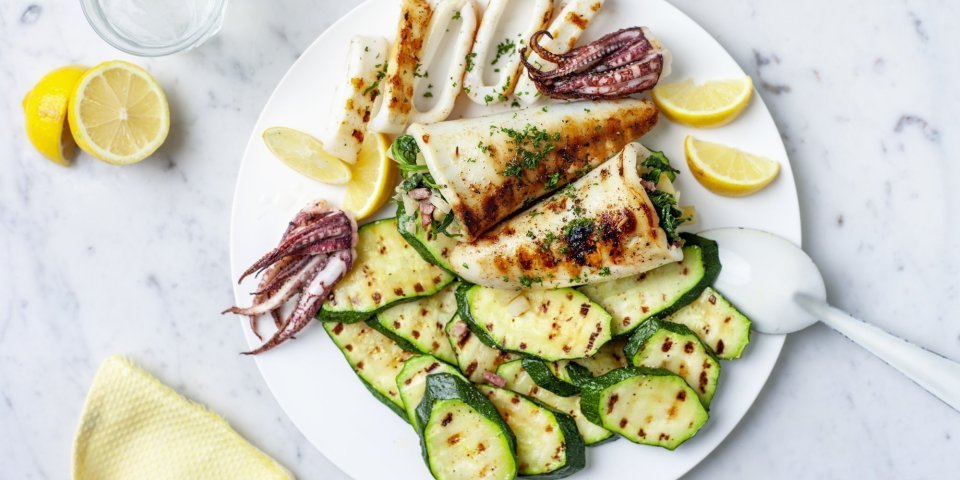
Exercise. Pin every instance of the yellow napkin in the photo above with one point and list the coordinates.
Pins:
(135, 427)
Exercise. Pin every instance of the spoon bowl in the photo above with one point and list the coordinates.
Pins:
(761, 275)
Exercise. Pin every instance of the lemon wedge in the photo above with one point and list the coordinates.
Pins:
(45, 114)
(305, 154)
(374, 176)
(711, 104)
(118, 113)
(726, 170)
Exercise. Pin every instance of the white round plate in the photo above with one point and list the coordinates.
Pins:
(310, 378)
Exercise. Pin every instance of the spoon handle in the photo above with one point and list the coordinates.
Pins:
(937, 374)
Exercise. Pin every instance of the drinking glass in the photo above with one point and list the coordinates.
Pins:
(153, 28)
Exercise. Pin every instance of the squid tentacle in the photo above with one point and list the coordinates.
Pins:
(315, 252)
(618, 64)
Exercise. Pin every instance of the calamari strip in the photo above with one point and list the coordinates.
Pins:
(448, 85)
(356, 98)
(566, 29)
(507, 61)
(412, 28)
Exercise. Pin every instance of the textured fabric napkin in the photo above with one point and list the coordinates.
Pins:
(134, 427)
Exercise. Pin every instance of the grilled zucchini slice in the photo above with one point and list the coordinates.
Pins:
(661, 291)
(519, 381)
(387, 271)
(674, 347)
(609, 357)
(548, 443)
(463, 436)
(718, 323)
(552, 324)
(375, 358)
(551, 376)
(412, 382)
(432, 247)
(644, 405)
(473, 356)
(418, 326)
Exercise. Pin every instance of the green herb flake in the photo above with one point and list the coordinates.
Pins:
(553, 180)
(505, 47)
(530, 146)
(527, 282)
(469, 59)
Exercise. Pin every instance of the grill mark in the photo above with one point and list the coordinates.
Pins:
(611, 402)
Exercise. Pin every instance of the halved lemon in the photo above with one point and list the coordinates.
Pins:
(374, 177)
(118, 113)
(710, 104)
(45, 114)
(726, 170)
(305, 154)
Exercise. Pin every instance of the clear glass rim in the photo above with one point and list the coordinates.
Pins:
(97, 20)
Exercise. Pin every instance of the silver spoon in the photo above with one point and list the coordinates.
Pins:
(781, 290)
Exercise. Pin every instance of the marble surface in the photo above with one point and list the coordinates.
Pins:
(97, 260)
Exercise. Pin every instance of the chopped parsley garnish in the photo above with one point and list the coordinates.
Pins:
(530, 146)
(515, 103)
(581, 225)
(428, 94)
(456, 16)
(381, 72)
(416, 72)
(469, 59)
(528, 281)
(505, 47)
(553, 180)
(605, 271)
(487, 99)
(548, 240)
(483, 148)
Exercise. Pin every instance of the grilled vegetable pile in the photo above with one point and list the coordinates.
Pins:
(507, 383)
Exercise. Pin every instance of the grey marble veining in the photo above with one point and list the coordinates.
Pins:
(99, 260)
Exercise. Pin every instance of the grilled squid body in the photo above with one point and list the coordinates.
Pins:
(506, 62)
(601, 227)
(566, 29)
(420, 34)
(470, 159)
(355, 100)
